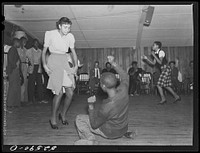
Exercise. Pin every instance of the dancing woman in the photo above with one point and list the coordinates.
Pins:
(61, 75)
(164, 80)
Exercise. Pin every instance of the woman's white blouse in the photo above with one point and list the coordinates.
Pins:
(57, 43)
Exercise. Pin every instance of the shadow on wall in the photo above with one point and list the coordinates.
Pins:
(9, 31)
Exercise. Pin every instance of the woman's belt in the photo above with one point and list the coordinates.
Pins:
(60, 53)
(26, 63)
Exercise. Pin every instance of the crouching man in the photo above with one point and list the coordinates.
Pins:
(110, 119)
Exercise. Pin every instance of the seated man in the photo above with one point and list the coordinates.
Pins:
(109, 69)
(140, 75)
(110, 119)
(174, 77)
(95, 74)
(188, 81)
(133, 79)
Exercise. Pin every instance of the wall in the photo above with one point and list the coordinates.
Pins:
(124, 56)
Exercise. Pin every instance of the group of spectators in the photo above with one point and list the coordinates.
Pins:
(24, 71)
(179, 83)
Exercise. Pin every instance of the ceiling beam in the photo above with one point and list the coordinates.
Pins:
(77, 30)
(87, 18)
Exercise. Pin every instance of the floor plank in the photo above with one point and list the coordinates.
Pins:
(170, 124)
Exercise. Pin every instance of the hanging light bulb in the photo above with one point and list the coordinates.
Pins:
(22, 10)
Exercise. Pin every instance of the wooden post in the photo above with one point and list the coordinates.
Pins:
(139, 35)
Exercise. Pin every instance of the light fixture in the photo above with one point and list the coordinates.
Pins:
(18, 6)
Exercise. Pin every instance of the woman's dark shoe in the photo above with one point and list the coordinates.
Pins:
(162, 102)
(53, 126)
(63, 122)
(129, 135)
(178, 99)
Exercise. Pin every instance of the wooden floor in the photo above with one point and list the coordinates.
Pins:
(170, 124)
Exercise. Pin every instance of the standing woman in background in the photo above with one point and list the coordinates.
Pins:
(22, 51)
(14, 74)
(61, 75)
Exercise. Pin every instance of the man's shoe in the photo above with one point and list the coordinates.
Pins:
(162, 102)
(178, 99)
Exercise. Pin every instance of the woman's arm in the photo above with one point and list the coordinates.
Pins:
(44, 62)
(44, 56)
(159, 60)
(148, 60)
(75, 58)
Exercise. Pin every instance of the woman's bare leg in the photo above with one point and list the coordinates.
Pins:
(67, 102)
(160, 90)
(172, 92)
(55, 106)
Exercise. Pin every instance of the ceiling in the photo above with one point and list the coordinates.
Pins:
(102, 26)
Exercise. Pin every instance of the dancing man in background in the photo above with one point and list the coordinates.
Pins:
(164, 80)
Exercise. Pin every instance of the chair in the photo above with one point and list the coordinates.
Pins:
(96, 88)
(191, 86)
(187, 86)
(145, 84)
(82, 82)
(118, 79)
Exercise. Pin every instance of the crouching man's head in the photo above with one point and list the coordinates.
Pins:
(108, 81)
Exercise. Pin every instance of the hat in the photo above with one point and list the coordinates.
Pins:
(20, 34)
